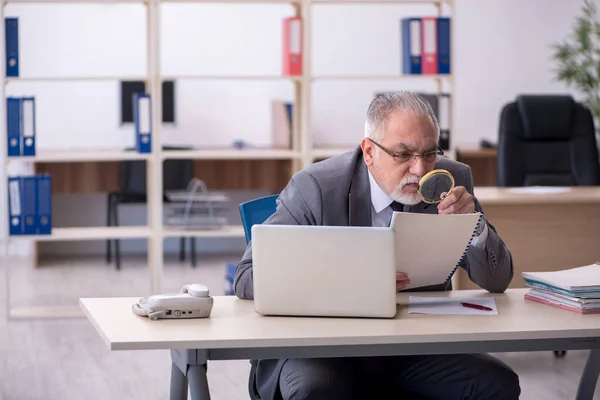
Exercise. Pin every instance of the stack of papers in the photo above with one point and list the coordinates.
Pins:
(575, 289)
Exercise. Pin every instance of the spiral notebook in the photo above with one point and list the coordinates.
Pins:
(430, 247)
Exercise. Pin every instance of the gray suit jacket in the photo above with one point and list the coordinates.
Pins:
(337, 192)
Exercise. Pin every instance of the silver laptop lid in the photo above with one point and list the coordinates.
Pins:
(324, 270)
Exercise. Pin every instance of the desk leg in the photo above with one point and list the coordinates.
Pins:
(189, 367)
(179, 384)
(589, 377)
(198, 382)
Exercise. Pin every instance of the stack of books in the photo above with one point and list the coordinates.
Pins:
(575, 289)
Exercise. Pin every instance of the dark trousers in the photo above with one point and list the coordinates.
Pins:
(447, 377)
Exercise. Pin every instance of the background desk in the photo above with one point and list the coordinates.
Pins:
(543, 231)
(236, 331)
(483, 163)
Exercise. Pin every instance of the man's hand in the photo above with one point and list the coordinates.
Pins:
(402, 280)
(459, 201)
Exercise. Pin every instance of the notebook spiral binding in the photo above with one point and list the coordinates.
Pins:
(465, 250)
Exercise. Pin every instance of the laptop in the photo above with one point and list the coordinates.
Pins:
(327, 271)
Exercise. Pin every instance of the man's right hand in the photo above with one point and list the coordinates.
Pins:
(402, 280)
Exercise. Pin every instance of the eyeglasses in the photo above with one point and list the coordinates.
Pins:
(404, 157)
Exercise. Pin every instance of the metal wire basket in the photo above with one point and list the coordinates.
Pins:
(197, 207)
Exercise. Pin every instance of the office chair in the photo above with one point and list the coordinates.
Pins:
(132, 190)
(547, 140)
(256, 212)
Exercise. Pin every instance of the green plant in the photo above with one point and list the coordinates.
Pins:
(578, 59)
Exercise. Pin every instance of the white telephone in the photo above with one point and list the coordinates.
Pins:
(192, 301)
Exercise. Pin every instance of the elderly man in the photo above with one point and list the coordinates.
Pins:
(362, 188)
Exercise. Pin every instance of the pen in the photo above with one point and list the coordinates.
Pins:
(476, 306)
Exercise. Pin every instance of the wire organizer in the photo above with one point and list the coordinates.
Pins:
(197, 207)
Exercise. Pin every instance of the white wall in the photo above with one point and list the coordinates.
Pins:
(502, 48)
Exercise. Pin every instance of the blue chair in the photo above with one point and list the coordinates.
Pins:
(252, 212)
(256, 212)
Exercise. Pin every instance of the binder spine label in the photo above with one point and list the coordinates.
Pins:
(11, 32)
(292, 46)
(15, 221)
(429, 45)
(28, 119)
(443, 32)
(143, 122)
(29, 202)
(411, 46)
(44, 205)
(13, 126)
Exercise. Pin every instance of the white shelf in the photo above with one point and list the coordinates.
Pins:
(75, 1)
(81, 156)
(233, 77)
(75, 78)
(235, 1)
(380, 77)
(231, 154)
(330, 152)
(381, 1)
(89, 233)
(233, 231)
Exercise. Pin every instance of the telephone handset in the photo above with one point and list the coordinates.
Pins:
(193, 301)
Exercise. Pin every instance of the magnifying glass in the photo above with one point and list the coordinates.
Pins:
(433, 184)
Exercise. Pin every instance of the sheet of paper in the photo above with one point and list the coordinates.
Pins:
(430, 246)
(447, 306)
(540, 190)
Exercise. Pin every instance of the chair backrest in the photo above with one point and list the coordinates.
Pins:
(547, 140)
(256, 212)
(176, 174)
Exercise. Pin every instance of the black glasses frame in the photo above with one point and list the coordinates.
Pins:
(406, 156)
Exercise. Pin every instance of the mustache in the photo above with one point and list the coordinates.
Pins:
(409, 180)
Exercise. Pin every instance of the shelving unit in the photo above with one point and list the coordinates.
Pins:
(302, 153)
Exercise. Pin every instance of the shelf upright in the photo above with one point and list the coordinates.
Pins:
(155, 164)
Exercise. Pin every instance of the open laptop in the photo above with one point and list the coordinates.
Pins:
(329, 271)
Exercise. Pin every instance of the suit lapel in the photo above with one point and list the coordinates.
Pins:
(359, 198)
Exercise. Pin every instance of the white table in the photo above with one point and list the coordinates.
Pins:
(235, 331)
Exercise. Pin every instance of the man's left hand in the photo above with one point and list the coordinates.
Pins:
(459, 201)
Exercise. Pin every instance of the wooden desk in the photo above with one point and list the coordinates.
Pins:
(483, 163)
(544, 232)
(235, 331)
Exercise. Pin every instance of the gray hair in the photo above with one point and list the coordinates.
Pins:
(384, 104)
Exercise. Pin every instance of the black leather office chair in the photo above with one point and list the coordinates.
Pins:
(547, 140)
(132, 190)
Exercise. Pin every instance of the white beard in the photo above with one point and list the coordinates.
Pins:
(410, 199)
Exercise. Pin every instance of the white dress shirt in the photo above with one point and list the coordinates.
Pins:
(381, 212)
